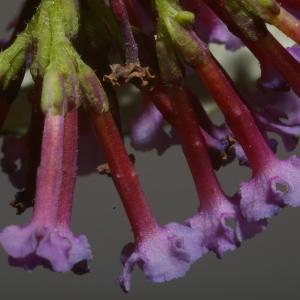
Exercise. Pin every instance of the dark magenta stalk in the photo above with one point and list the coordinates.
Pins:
(163, 102)
(237, 115)
(124, 175)
(194, 147)
(49, 175)
(69, 169)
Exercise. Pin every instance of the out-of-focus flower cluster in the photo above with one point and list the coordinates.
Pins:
(80, 53)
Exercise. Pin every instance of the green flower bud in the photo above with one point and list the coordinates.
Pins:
(185, 18)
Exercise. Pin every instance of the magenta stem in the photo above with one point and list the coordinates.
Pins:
(49, 172)
(69, 169)
(237, 115)
(194, 147)
(124, 176)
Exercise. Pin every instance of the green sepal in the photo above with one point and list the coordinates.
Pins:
(185, 18)
(55, 22)
(12, 61)
(70, 16)
(92, 89)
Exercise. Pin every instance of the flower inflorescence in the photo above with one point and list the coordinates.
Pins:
(80, 53)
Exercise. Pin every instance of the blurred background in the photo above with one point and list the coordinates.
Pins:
(266, 267)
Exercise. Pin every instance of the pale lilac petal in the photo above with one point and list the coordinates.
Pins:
(19, 241)
(218, 237)
(223, 226)
(259, 200)
(147, 131)
(64, 251)
(266, 193)
(56, 249)
(164, 255)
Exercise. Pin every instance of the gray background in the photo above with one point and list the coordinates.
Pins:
(266, 267)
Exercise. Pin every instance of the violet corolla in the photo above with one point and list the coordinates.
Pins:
(163, 253)
(47, 239)
(81, 55)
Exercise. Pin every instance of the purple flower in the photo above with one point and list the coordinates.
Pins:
(215, 208)
(52, 247)
(289, 133)
(47, 239)
(164, 255)
(273, 187)
(147, 130)
(222, 225)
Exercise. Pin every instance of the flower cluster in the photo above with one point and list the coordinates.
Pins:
(79, 54)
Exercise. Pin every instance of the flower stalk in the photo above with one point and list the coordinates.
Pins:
(124, 176)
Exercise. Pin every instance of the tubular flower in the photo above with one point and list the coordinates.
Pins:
(47, 239)
(83, 57)
(164, 253)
